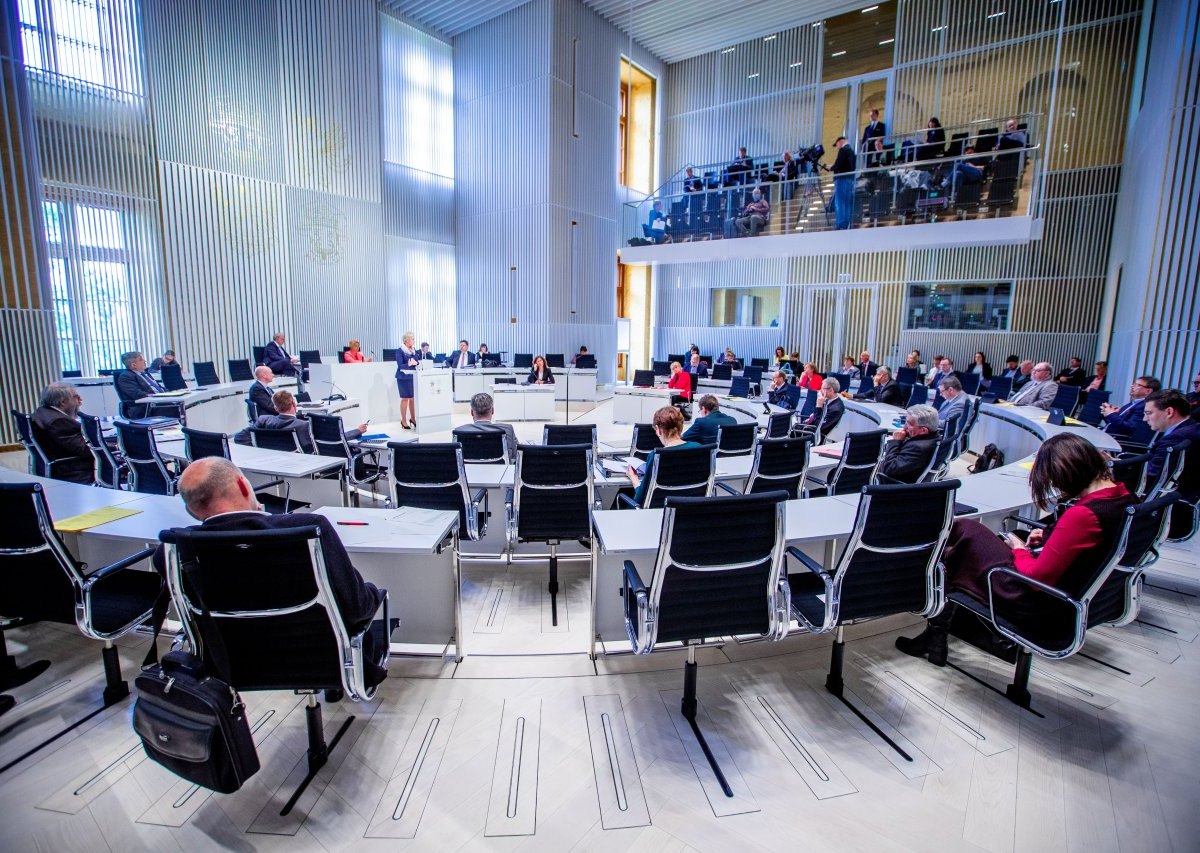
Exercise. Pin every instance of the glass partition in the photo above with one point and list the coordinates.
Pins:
(975, 306)
(745, 306)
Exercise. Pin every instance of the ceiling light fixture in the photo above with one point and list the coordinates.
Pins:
(729, 50)
(996, 15)
(868, 9)
(839, 53)
(768, 38)
(795, 65)
(887, 41)
(939, 29)
(752, 76)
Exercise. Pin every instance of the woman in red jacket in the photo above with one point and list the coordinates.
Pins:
(809, 378)
(1067, 468)
(680, 383)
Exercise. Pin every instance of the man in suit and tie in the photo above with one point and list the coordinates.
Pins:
(1023, 376)
(1040, 391)
(945, 368)
(483, 407)
(285, 418)
(464, 358)
(216, 493)
(866, 367)
(907, 454)
(60, 436)
(696, 366)
(884, 389)
(704, 429)
(276, 357)
(261, 391)
(691, 184)
(1073, 375)
(1012, 368)
(1168, 414)
(956, 401)
(1123, 420)
(830, 408)
(134, 382)
(875, 129)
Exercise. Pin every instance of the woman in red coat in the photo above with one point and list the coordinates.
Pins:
(680, 383)
(809, 378)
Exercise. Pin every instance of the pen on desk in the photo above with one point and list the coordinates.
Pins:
(354, 523)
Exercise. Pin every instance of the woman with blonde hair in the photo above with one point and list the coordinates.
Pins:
(407, 359)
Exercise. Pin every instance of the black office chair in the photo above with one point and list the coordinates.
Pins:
(1000, 388)
(362, 467)
(206, 373)
(679, 472)
(779, 465)
(721, 372)
(259, 354)
(660, 368)
(805, 406)
(891, 565)
(907, 375)
(283, 631)
(556, 359)
(861, 453)
(644, 440)
(240, 370)
(309, 356)
(110, 471)
(433, 476)
(1090, 412)
(551, 501)
(40, 464)
(172, 377)
(740, 387)
(1066, 398)
(389, 354)
(736, 439)
(286, 440)
(41, 582)
(779, 425)
(760, 363)
(251, 411)
(554, 435)
(643, 379)
(523, 359)
(1117, 601)
(679, 357)
(486, 447)
(198, 444)
(1173, 457)
(148, 471)
(918, 396)
(969, 381)
(1052, 622)
(1131, 471)
(72, 374)
(707, 584)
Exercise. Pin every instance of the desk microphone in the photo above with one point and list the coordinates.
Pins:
(372, 355)
(339, 395)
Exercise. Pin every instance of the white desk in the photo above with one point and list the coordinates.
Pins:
(633, 405)
(273, 464)
(372, 384)
(433, 398)
(98, 393)
(477, 380)
(523, 402)
(577, 383)
(216, 408)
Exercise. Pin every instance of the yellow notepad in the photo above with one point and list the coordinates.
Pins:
(95, 518)
(1028, 466)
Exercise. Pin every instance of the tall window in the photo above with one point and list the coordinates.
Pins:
(89, 277)
(636, 118)
(88, 40)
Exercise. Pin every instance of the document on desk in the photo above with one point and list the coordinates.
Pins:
(618, 466)
(182, 393)
(411, 519)
(88, 520)
(830, 452)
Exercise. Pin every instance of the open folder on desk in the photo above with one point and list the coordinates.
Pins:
(173, 393)
(88, 520)
(830, 452)
(620, 465)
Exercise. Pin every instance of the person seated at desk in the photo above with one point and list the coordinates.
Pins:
(1122, 420)
(1040, 392)
(809, 378)
(1013, 136)
(704, 428)
(850, 370)
(134, 383)
(727, 357)
(884, 389)
(1096, 381)
(1022, 377)
(1012, 367)
(956, 401)
(583, 350)
(284, 418)
(483, 407)
(740, 166)
(945, 367)
(260, 392)
(462, 359)
(167, 357)
(781, 360)
(668, 424)
(1168, 414)
(827, 398)
(909, 450)
(1074, 374)
(696, 366)
(218, 495)
(967, 170)
(1067, 468)
(540, 374)
(680, 383)
(354, 355)
(58, 433)
(752, 218)
(276, 357)
(777, 394)
(980, 366)
(425, 353)
(484, 358)
(692, 184)
(656, 223)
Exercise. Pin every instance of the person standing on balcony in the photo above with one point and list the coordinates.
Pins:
(843, 182)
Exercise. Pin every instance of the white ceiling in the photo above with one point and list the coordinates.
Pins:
(672, 30)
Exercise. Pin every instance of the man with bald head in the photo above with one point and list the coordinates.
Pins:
(260, 391)
(217, 494)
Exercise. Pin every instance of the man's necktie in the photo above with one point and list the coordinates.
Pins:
(154, 386)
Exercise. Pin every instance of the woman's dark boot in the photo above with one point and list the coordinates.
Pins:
(930, 643)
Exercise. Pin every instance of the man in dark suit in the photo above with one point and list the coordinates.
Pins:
(276, 357)
(830, 408)
(483, 407)
(884, 390)
(1073, 375)
(1168, 414)
(1012, 368)
(696, 366)
(740, 166)
(60, 437)
(1123, 420)
(955, 404)
(217, 494)
(908, 452)
(463, 358)
(875, 129)
(777, 393)
(134, 382)
(260, 392)
(865, 366)
(1022, 377)
(704, 429)
(285, 418)
(691, 184)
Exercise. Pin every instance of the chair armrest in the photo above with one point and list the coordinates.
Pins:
(1037, 585)
(806, 561)
(123, 563)
(633, 581)
(728, 488)
(1028, 522)
(627, 500)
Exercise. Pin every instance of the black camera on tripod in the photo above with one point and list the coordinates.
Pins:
(810, 158)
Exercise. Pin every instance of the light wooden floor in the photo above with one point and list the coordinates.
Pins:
(552, 752)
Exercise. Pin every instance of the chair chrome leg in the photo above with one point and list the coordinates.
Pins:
(836, 685)
(688, 708)
(115, 687)
(1018, 692)
(553, 586)
(318, 749)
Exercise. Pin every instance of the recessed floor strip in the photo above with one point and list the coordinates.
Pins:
(940, 709)
(618, 782)
(992, 688)
(816, 768)
(406, 793)
(611, 749)
(92, 781)
(512, 803)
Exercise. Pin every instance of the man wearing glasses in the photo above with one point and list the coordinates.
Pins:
(60, 436)
(1121, 421)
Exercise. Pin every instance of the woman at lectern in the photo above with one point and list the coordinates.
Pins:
(407, 359)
